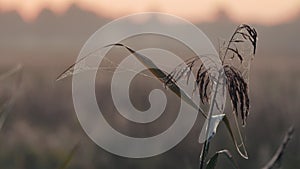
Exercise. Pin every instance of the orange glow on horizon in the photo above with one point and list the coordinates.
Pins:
(267, 12)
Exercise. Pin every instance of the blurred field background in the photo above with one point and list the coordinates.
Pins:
(42, 127)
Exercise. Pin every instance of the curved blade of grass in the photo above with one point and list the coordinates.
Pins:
(211, 164)
(276, 159)
(81, 67)
(70, 70)
(239, 144)
(70, 156)
(161, 75)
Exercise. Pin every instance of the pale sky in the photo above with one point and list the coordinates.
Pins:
(267, 12)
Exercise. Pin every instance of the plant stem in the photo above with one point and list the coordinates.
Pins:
(206, 143)
(203, 154)
(229, 43)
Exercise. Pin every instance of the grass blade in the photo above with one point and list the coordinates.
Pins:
(239, 144)
(162, 76)
(70, 157)
(276, 159)
(211, 164)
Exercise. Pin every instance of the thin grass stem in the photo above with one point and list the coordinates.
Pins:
(206, 143)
